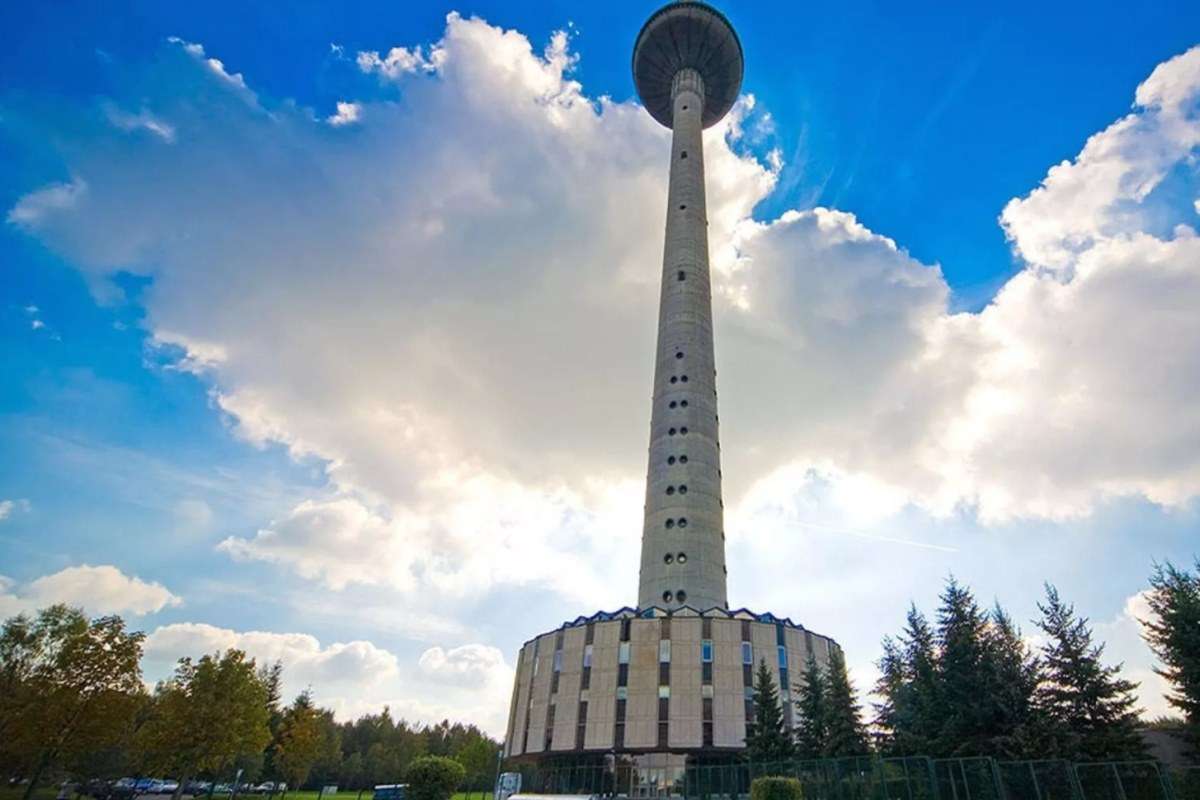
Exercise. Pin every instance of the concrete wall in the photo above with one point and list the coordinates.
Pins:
(685, 709)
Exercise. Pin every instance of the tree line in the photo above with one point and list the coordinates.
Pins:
(969, 684)
(73, 704)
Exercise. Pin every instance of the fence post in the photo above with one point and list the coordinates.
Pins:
(1120, 784)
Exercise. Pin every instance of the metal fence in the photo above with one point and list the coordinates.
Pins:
(869, 778)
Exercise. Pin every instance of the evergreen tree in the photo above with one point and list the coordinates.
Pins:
(845, 734)
(767, 741)
(962, 674)
(918, 707)
(1016, 726)
(1173, 633)
(889, 689)
(1091, 710)
(811, 712)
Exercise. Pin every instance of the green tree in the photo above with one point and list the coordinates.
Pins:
(71, 687)
(205, 716)
(298, 741)
(1091, 711)
(893, 680)
(478, 757)
(1173, 632)
(433, 777)
(918, 708)
(845, 733)
(811, 712)
(962, 674)
(767, 741)
(1014, 721)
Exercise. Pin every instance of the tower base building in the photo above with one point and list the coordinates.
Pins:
(623, 702)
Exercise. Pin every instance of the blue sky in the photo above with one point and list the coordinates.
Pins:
(315, 381)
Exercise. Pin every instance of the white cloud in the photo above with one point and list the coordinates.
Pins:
(98, 590)
(142, 120)
(470, 682)
(347, 114)
(454, 312)
(8, 507)
(34, 206)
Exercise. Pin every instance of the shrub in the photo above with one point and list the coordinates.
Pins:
(774, 788)
(433, 778)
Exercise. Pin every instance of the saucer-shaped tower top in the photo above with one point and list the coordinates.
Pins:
(681, 35)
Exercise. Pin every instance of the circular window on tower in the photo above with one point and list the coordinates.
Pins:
(670, 524)
(682, 489)
(681, 595)
(682, 275)
(666, 597)
(683, 403)
(683, 522)
(683, 431)
(683, 459)
(670, 459)
(668, 558)
(683, 378)
(670, 431)
(672, 404)
(670, 490)
(680, 355)
(681, 558)
(674, 379)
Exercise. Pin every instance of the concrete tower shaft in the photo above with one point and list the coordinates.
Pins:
(683, 540)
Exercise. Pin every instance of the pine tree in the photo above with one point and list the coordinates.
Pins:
(918, 708)
(1013, 675)
(767, 741)
(845, 733)
(889, 689)
(811, 712)
(962, 674)
(1091, 710)
(1173, 633)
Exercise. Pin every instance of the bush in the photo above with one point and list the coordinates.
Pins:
(434, 778)
(773, 788)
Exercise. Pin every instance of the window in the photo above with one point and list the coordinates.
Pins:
(682, 275)
(683, 378)
(683, 404)
(682, 207)
(558, 660)
(623, 653)
(664, 692)
(783, 662)
(670, 524)
(674, 379)
(683, 155)
(683, 431)
(587, 655)
(670, 459)
(666, 597)
(681, 595)
(622, 692)
(706, 651)
(672, 404)
(664, 651)
(670, 490)
(685, 108)
(679, 354)
(747, 653)
(668, 558)
(706, 691)
(681, 558)
(683, 459)
(670, 431)
(683, 522)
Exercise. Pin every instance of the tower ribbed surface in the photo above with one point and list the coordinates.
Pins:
(683, 540)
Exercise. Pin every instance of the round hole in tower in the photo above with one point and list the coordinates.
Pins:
(683, 154)
(683, 431)
(672, 404)
(683, 522)
(682, 275)
(674, 379)
(666, 597)
(685, 108)
(679, 354)
(683, 206)
(670, 490)
(681, 558)
(683, 403)
(683, 459)
(682, 489)
(681, 595)
(683, 379)
(668, 558)
(670, 459)
(670, 524)
(670, 431)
